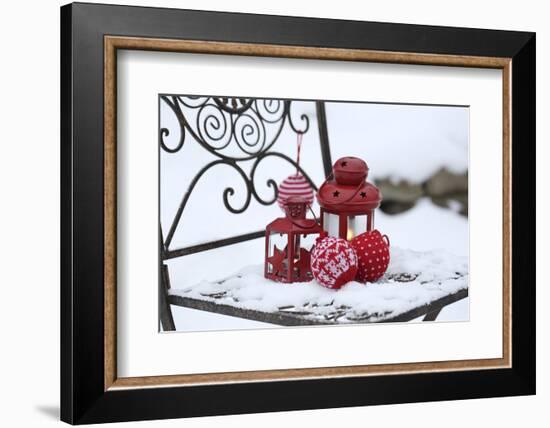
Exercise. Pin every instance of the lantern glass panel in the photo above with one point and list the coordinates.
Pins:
(304, 241)
(302, 257)
(331, 224)
(357, 224)
(279, 240)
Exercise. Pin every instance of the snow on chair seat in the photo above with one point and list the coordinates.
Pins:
(416, 284)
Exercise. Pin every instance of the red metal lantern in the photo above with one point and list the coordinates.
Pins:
(347, 200)
(287, 258)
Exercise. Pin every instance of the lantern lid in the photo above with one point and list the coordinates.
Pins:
(350, 170)
(349, 191)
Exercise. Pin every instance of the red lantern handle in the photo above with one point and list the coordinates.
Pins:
(297, 224)
(385, 238)
(330, 176)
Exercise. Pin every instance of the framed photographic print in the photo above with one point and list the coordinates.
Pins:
(265, 213)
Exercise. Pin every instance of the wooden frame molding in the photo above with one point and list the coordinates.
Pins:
(113, 43)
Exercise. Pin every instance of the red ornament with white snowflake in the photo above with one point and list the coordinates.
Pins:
(373, 255)
(333, 262)
(295, 185)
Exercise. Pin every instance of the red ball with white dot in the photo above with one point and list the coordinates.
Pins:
(333, 262)
(373, 255)
(295, 186)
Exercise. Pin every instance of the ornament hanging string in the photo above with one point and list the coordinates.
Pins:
(299, 144)
(299, 136)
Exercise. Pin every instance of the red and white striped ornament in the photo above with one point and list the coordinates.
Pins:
(295, 185)
(333, 262)
(373, 255)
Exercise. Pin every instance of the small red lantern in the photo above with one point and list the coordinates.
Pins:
(347, 200)
(286, 258)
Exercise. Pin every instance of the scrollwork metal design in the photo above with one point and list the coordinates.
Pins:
(249, 126)
(253, 124)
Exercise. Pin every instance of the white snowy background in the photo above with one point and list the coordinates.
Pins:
(399, 142)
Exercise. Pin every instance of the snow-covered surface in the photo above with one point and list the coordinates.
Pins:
(457, 311)
(426, 227)
(428, 276)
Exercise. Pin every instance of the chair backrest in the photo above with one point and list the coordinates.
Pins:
(234, 131)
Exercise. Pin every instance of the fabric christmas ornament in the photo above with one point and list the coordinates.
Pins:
(333, 262)
(373, 255)
(296, 184)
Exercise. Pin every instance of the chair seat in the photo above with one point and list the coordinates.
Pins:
(416, 284)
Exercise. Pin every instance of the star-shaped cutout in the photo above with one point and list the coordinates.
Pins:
(276, 260)
(303, 264)
(344, 163)
(363, 194)
(336, 193)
